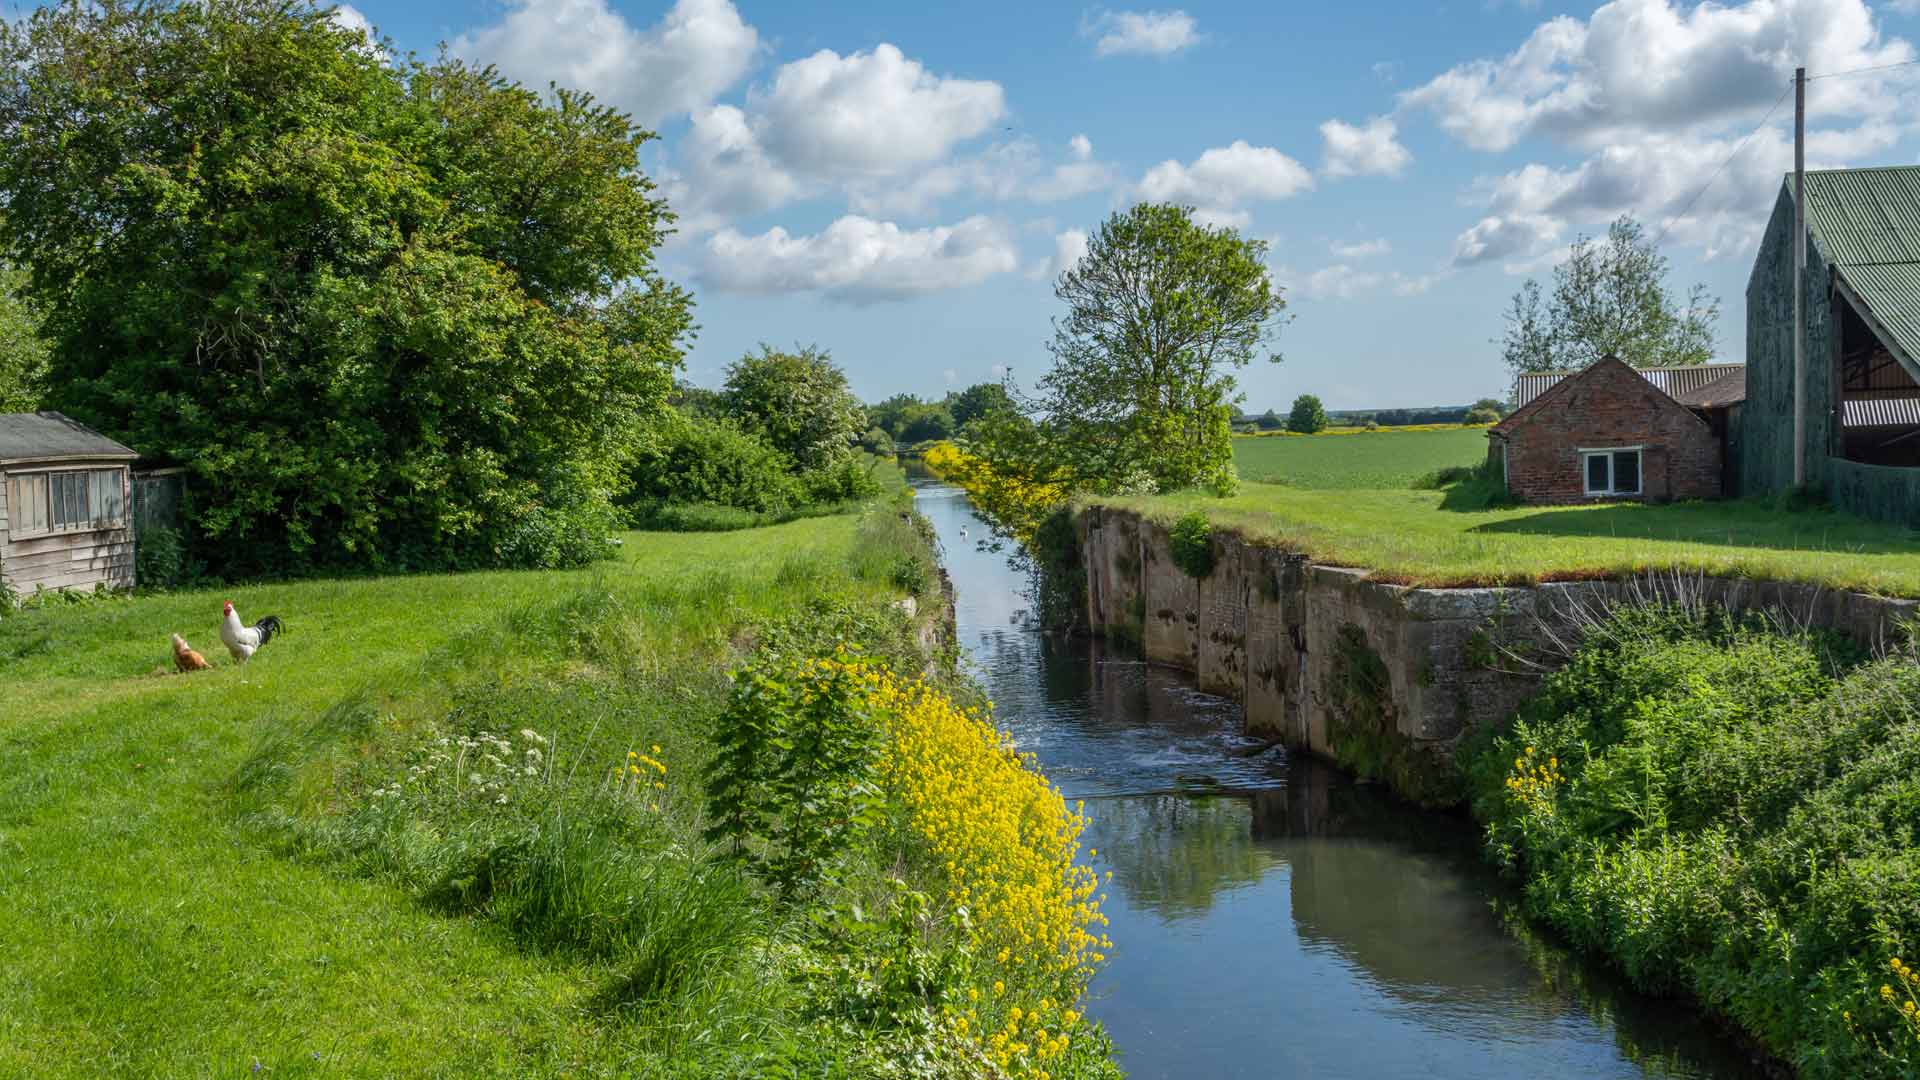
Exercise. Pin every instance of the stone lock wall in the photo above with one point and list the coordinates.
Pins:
(1383, 679)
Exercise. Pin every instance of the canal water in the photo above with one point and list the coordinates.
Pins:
(1272, 918)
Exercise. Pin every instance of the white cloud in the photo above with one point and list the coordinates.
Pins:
(698, 50)
(868, 113)
(1148, 33)
(1003, 173)
(1068, 248)
(349, 17)
(1219, 181)
(950, 375)
(859, 260)
(724, 172)
(1344, 281)
(1362, 249)
(1644, 66)
(1655, 97)
(1370, 149)
(1663, 180)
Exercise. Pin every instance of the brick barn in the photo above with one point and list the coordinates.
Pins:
(1608, 433)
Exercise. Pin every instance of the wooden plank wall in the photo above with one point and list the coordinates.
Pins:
(75, 560)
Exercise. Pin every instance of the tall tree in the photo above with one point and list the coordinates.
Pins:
(1159, 313)
(388, 313)
(1610, 297)
(1308, 416)
(978, 400)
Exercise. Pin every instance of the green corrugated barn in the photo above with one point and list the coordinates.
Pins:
(1862, 345)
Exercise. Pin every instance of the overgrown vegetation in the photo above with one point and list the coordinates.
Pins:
(1727, 809)
(465, 826)
(1190, 542)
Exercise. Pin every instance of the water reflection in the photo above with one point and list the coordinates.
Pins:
(1273, 918)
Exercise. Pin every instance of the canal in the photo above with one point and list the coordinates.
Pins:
(1271, 917)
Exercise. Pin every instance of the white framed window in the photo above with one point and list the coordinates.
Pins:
(67, 500)
(1611, 471)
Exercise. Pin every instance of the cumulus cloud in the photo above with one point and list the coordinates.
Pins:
(723, 172)
(1642, 66)
(349, 17)
(1015, 171)
(1148, 33)
(1222, 179)
(1655, 97)
(869, 113)
(1369, 149)
(1344, 281)
(859, 260)
(1068, 248)
(1362, 249)
(698, 50)
(1663, 180)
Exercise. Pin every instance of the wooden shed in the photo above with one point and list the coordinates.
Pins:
(65, 520)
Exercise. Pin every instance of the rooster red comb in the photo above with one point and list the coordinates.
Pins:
(226, 607)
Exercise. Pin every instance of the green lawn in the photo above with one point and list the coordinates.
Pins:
(1417, 537)
(1356, 459)
(155, 922)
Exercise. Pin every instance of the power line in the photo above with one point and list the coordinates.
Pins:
(1864, 70)
(1675, 219)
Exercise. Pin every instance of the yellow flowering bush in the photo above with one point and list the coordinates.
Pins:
(1534, 781)
(1004, 846)
(1016, 502)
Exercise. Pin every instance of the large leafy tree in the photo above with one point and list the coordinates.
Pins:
(1307, 416)
(1159, 313)
(977, 401)
(1610, 297)
(798, 401)
(387, 312)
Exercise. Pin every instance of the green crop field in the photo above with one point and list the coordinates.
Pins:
(1360, 459)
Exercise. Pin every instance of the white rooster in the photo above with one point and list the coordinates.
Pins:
(243, 641)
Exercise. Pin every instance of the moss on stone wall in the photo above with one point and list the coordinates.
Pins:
(1365, 735)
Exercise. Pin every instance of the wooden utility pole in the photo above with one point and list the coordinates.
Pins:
(1799, 277)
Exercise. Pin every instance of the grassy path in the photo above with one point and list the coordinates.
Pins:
(146, 930)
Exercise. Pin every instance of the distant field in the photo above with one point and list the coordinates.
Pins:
(1369, 459)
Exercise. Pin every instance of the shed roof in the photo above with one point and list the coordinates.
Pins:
(1605, 367)
(1867, 222)
(1728, 389)
(45, 435)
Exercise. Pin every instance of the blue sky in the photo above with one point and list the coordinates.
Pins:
(897, 183)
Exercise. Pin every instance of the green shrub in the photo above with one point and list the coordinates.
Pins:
(1723, 808)
(1191, 541)
(845, 480)
(159, 558)
(703, 460)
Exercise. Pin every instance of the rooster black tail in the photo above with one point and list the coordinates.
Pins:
(268, 627)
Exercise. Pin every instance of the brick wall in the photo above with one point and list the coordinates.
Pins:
(1608, 405)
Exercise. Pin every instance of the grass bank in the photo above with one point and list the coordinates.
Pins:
(457, 825)
(1426, 538)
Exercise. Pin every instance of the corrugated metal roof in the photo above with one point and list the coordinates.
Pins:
(1881, 412)
(1673, 381)
(51, 435)
(1865, 217)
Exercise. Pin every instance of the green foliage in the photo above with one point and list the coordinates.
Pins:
(23, 352)
(1610, 298)
(977, 401)
(691, 459)
(792, 785)
(876, 441)
(1158, 314)
(1307, 416)
(1191, 542)
(159, 558)
(1269, 421)
(797, 401)
(1482, 415)
(845, 480)
(453, 271)
(1725, 810)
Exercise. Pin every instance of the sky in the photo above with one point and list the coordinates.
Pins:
(900, 183)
